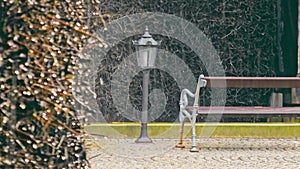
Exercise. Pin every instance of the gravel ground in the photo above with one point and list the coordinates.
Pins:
(214, 153)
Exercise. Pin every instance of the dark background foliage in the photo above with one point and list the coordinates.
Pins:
(253, 38)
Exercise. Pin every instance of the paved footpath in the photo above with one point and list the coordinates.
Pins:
(214, 154)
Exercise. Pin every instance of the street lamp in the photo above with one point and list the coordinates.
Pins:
(146, 54)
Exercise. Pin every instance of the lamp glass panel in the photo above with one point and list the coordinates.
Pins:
(152, 56)
(142, 56)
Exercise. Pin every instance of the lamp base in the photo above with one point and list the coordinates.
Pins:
(144, 136)
(143, 140)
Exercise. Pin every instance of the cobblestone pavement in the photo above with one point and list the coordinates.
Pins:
(214, 153)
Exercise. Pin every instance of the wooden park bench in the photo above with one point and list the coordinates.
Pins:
(191, 112)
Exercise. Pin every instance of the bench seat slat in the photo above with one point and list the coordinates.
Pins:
(241, 111)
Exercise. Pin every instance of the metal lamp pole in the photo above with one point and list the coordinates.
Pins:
(144, 119)
(146, 55)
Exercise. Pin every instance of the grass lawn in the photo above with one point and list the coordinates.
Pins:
(171, 130)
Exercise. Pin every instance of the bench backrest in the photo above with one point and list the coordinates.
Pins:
(253, 82)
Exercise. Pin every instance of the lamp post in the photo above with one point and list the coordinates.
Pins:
(146, 54)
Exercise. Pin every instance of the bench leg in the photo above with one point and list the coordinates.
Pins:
(194, 144)
(180, 144)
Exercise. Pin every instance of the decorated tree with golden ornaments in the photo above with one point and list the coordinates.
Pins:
(40, 42)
